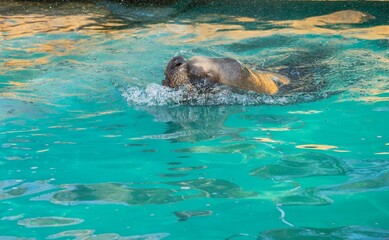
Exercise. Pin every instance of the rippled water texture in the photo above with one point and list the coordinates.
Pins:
(93, 147)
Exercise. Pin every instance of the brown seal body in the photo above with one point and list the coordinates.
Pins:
(180, 72)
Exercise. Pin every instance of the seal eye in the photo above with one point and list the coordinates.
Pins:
(177, 65)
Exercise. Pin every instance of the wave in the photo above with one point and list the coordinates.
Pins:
(157, 95)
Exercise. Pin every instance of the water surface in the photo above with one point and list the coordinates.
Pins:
(93, 147)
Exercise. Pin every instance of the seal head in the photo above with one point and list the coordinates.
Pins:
(176, 73)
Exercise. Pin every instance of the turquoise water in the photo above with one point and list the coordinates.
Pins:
(93, 147)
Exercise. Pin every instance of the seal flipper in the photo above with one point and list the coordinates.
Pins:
(262, 82)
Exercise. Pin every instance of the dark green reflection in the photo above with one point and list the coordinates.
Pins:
(122, 193)
(185, 215)
(350, 232)
(302, 165)
(114, 192)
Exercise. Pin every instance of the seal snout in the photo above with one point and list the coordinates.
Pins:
(176, 62)
(176, 72)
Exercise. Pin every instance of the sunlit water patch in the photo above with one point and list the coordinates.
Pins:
(93, 147)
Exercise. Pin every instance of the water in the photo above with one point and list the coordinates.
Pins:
(93, 147)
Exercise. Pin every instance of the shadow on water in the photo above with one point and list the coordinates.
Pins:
(134, 194)
(372, 177)
(194, 123)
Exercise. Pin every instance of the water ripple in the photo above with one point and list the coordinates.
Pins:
(303, 165)
(121, 193)
(49, 222)
(17, 188)
(89, 235)
(349, 232)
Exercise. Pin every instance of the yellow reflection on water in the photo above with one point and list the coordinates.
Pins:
(206, 28)
(25, 97)
(16, 26)
(17, 84)
(371, 33)
(267, 140)
(374, 99)
(232, 30)
(340, 17)
(20, 64)
(223, 18)
(316, 146)
(216, 28)
(59, 47)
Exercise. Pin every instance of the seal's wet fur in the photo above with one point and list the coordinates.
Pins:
(176, 73)
(202, 72)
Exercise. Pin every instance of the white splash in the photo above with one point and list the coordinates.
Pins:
(157, 95)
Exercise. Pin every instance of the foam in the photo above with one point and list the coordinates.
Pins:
(157, 95)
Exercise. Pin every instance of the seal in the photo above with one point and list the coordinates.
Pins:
(202, 72)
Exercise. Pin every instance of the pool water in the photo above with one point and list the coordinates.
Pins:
(93, 147)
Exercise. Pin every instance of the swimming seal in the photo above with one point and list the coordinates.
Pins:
(199, 70)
